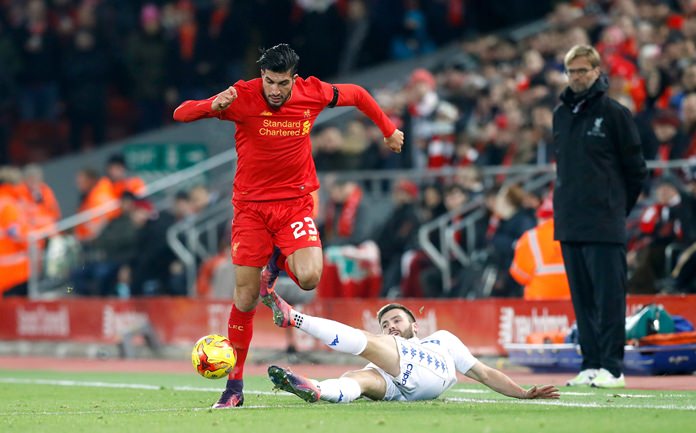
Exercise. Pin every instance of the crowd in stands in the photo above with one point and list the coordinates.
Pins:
(122, 248)
(490, 105)
(76, 73)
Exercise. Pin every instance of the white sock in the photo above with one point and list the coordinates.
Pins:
(337, 336)
(341, 390)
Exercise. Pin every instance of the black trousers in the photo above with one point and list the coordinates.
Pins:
(597, 278)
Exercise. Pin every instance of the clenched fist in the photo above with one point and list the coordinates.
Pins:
(224, 99)
(395, 141)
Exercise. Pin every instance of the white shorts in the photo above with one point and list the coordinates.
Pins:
(426, 372)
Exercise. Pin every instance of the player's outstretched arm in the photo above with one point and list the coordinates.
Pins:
(189, 111)
(352, 94)
(502, 383)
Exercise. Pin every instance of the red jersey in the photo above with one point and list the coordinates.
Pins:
(274, 153)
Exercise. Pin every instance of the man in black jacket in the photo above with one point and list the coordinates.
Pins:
(600, 174)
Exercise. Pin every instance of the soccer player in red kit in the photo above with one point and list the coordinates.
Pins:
(275, 177)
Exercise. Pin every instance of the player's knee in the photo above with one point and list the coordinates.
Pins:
(246, 297)
(308, 276)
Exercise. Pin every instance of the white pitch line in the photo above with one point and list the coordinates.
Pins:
(95, 384)
(573, 393)
(80, 383)
(91, 384)
(125, 412)
(587, 394)
(574, 404)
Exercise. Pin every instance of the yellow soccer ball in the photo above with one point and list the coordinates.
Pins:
(213, 356)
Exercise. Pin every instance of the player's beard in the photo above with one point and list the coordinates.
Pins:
(408, 333)
(278, 102)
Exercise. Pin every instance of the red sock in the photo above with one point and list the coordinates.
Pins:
(240, 329)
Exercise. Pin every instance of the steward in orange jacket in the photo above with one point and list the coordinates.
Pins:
(538, 263)
(14, 259)
(95, 193)
(40, 204)
(117, 172)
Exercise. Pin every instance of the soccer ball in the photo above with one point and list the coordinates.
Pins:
(213, 356)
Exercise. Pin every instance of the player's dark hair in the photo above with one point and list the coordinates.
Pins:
(394, 306)
(280, 58)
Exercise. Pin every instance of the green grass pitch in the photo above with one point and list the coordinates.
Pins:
(149, 403)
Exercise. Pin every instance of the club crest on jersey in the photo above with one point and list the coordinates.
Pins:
(596, 130)
(307, 113)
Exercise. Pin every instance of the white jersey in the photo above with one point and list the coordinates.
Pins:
(429, 366)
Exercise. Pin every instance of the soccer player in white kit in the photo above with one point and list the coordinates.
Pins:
(402, 366)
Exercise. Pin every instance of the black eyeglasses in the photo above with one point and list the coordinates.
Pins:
(581, 72)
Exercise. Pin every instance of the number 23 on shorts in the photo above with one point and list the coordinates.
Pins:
(304, 228)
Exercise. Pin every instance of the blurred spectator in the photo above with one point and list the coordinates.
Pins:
(216, 274)
(138, 55)
(117, 174)
(40, 204)
(671, 219)
(200, 199)
(114, 247)
(445, 19)
(14, 260)
(319, 36)
(230, 33)
(687, 85)
(672, 143)
(355, 144)
(412, 39)
(455, 198)
(432, 203)
(347, 220)
(351, 258)
(193, 57)
(376, 156)
(11, 65)
(95, 193)
(155, 270)
(357, 28)
(514, 220)
(182, 208)
(689, 125)
(428, 123)
(84, 74)
(398, 235)
(328, 150)
(147, 59)
(40, 53)
(538, 263)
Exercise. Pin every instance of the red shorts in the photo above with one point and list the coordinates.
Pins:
(259, 225)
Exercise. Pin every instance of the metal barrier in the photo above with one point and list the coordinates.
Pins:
(41, 284)
(186, 237)
(531, 178)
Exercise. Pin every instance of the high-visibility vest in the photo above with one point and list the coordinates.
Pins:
(134, 185)
(43, 215)
(14, 258)
(100, 194)
(538, 264)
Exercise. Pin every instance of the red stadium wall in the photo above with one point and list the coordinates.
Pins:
(484, 325)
